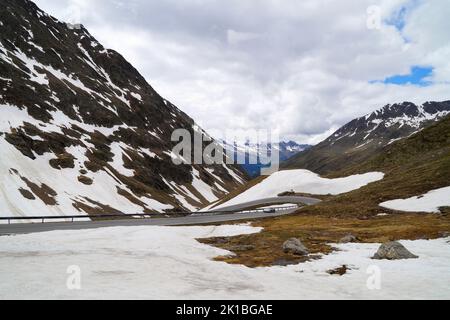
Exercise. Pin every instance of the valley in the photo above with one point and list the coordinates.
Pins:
(100, 173)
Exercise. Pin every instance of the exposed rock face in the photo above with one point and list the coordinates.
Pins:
(363, 137)
(295, 246)
(393, 251)
(70, 106)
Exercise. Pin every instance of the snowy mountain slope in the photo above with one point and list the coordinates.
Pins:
(365, 136)
(301, 181)
(81, 131)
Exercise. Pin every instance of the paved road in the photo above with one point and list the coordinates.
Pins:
(195, 219)
(23, 228)
(276, 200)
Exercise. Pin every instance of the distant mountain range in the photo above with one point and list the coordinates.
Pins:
(289, 149)
(286, 150)
(363, 137)
(82, 132)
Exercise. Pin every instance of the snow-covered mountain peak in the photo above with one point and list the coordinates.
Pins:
(393, 121)
(366, 135)
(408, 114)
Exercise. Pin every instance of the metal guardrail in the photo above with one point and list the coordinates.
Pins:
(43, 219)
(246, 211)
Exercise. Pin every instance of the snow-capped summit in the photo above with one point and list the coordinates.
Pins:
(81, 131)
(390, 123)
(290, 148)
(362, 137)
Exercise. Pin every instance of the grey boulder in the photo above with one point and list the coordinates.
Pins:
(393, 251)
(348, 238)
(295, 246)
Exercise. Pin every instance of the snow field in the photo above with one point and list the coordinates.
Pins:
(168, 263)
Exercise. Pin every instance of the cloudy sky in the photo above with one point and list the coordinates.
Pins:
(302, 68)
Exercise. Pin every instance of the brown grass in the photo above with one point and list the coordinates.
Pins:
(316, 232)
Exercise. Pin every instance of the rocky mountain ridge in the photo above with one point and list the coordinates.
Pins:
(363, 137)
(81, 131)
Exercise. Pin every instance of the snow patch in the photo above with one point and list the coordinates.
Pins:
(429, 202)
(118, 150)
(302, 181)
(204, 189)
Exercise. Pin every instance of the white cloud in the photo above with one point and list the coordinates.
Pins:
(297, 67)
(235, 37)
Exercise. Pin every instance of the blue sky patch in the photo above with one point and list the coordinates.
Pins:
(398, 20)
(418, 76)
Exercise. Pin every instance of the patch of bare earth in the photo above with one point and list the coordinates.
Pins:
(94, 208)
(43, 192)
(27, 194)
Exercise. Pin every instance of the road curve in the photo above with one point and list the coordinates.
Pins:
(195, 219)
(23, 228)
(268, 201)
